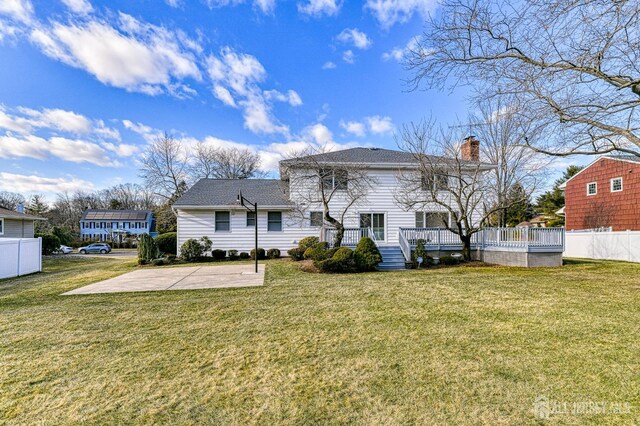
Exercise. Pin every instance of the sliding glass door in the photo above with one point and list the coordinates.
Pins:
(374, 221)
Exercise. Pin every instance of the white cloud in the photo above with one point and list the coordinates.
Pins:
(266, 6)
(356, 37)
(224, 95)
(24, 120)
(328, 65)
(32, 183)
(240, 75)
(121, 149)
(290, 97)
(354, 127)
(73, 150)
(391, 12)
(374, 124)
(399, 53)
(137, 57)
(148, 133)
(378, 124)
(348, 56)
(319, 8)
(20, 10)
(81, 7)
(173, 3)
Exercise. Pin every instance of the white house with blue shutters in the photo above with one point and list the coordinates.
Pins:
(115, 225)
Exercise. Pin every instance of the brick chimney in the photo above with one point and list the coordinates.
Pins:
(470, 149)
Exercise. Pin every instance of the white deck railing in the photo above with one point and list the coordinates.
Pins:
(506, 239)
(350, 238)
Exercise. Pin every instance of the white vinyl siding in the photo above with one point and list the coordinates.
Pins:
(16, 228)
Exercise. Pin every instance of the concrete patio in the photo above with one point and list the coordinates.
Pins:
(182, 278)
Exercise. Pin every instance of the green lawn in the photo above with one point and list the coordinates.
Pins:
(466, 345)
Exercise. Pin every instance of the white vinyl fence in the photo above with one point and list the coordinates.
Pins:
(619, 245)
(20, 256)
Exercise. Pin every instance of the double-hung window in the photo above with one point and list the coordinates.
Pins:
(592, 188)
(616, 184)
(274, 221)
(223, 221)
(315, 219)
(334, 179)
(1, 226)
(437, 181)
(251, 218)
(431, 219)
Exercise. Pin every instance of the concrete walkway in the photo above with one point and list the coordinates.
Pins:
(182, 278)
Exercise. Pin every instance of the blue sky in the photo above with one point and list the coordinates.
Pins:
(84, 86)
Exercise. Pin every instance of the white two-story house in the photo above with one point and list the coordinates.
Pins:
(115, 225)
(290, 208)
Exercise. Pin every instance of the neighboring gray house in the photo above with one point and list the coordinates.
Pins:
(115, 225)
(15, 224)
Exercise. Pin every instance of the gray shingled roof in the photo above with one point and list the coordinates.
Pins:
(361, 155)
(224, 192)
(11, 214)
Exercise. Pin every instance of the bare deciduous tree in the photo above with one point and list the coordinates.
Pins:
(445, 180)
(317, 184)
(10, 200)
(224, 163)
(164, 167)
(503, 135)
(598, 214)
(128, 196)
(571, 65)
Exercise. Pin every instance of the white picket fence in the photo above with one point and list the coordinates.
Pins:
(20, 256)
(619, 245)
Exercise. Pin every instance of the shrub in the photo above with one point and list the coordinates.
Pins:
(142, 262)
(449, 260)
(157, 262)
(233, 254)
(342, 261)
(308, 242)
(206, 244)
(296, 253)
(419, 252)
(367, 256)
(273, 253)
(218, 254)
(191, 250)
(147, 248)
(50, 243)
(318, 252)
(168, 242)
(171, 258)
(261, 254)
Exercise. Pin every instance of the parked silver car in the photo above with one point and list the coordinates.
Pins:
(65, 250)
(102, 248)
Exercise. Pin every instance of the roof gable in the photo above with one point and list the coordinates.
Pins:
(11, 214)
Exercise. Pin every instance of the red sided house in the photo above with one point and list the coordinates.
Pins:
(604, 194)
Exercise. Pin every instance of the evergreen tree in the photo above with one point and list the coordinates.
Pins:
(520, 207)
(553, 200)
(38, 206)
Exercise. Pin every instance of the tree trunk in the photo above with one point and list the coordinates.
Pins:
(337, 240)
(466, 246)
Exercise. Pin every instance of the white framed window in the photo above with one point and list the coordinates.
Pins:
(251, 218)
(315, 219)
(337, 179)
(1, 226)
(592, 188)
(616, 184)
(274, 221)
(431, 219)
(437, 182)
(223, 221)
